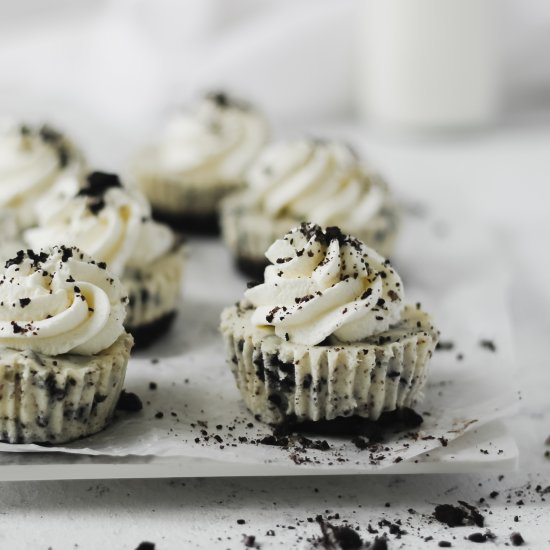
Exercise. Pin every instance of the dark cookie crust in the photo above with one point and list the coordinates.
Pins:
(395, 421)
(252, 268)
(146, 335)
(190, 223)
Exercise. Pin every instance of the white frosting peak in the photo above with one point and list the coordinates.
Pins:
(109, 222)
(59, 301)
(320, 181)
(323, 283)
(31, 162)
(214, 143)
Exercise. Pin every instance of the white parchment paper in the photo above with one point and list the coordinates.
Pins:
(195, 409)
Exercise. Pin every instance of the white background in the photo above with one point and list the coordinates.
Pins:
(126, 61)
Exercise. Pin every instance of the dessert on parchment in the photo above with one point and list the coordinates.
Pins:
(63, 346)
(328, 334)
(202, 156)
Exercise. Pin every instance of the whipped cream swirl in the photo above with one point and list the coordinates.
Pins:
(214, 143)
(320, 181)
(68, 184)
(323, 283)
(109, 222)
(59, 301)
(31, 161)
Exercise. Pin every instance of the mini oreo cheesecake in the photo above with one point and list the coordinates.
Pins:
(36, 164)
(323, 182)
(113, 224)
(63, 347)
(202, 156)
(327, 334)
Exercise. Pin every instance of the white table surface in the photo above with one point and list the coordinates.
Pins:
(502, 176)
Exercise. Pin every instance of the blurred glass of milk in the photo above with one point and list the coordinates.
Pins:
(428, 64)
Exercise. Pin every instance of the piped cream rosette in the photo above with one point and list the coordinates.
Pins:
(327, 334)
(306, 180)
(203, 154)
(113, 224)
(35, 163)
(63, 346)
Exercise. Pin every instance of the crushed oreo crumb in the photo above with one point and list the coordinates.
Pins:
(477, 537)
(97, 184)
(456, 516)
(444, 346)
(488, 345)
(516, 539)
(334, 536)
(129, 402)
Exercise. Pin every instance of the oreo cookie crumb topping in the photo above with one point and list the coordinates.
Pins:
(67, 253)
(16, 260)
(379, 543)
(488, 345)
(129, 402)
(49, 134)
(55, 139)
(221, 99)
(250, 541)
(516, 539)
(225, 101)
(457, 516)
(97, 184)
(38, 258)
(477, 537)
(314, 231)
(444, 346)
(335, 536)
